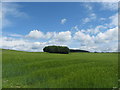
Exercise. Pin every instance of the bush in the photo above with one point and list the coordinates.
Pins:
(56, 49)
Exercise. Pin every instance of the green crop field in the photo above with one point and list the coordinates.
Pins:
(49, 70)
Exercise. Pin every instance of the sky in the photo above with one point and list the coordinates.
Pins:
(30, 26)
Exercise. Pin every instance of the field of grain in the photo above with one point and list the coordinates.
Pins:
(48, 70)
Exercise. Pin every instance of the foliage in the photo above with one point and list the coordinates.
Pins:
(56, 49)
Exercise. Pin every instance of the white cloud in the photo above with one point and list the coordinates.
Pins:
(94, 31)
(57, 37)
(63, 21)
(108, 36)
(16, 35)
(106, 41)
(27, 45)
(11, 9)
(91, 31)
(110, 6)
(91, 17)
(62, 36)
(86, 20)
(114, 20)
(83, 38)
(102, 19)
(75, 27)
(49, 35)
(35, 34)
(21, 44)
(100, 38)
(88, 6)
(103, 41)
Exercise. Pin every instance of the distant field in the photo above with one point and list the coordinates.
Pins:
(48, 70)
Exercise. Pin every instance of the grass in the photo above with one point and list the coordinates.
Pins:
(48, 70)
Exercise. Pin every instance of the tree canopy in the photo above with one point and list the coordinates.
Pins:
(56, 49)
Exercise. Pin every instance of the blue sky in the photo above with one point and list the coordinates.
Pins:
(83, 25)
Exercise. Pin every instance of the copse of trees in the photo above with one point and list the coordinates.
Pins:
(56, 49)
(77, 50)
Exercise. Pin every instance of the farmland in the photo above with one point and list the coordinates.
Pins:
(49, 70)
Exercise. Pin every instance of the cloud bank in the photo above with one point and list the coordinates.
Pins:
(103, 41)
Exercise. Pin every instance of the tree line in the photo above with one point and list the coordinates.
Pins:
(60, 49)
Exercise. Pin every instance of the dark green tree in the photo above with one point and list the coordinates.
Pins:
(56, 49)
